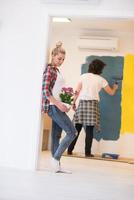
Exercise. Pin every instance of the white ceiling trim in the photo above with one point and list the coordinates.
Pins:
(89, 2)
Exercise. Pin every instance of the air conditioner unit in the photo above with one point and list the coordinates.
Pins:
(98, 43)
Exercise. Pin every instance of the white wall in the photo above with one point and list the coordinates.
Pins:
(23, 53)
(23, 37)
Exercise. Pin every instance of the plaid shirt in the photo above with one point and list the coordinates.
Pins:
(49, 78)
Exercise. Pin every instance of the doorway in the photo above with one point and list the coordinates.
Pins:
(69, 35)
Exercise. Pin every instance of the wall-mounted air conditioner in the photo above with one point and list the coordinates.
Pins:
(98, 43)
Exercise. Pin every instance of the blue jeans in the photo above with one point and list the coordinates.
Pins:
(60, 121)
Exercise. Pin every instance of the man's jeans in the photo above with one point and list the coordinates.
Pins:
(60, 121)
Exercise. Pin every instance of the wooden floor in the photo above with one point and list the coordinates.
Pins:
(98, 157)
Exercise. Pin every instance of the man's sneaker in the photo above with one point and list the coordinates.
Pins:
(56, 165)
(69, 152)
(89, 155)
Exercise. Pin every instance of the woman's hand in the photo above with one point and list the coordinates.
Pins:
(111, 90)
(115, 86)
(62, 107)
(74, 106)
(59, 104)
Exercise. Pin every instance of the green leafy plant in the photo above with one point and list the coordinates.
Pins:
(66, 95)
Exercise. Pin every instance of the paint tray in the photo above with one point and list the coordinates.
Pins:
(110, 155)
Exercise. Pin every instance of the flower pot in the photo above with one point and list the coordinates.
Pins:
(67, 105)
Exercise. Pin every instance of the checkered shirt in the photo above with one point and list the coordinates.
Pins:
(49, 78)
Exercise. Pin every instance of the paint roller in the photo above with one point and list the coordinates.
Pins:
(117, 79)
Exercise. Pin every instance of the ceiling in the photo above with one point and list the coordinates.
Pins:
(96, 25)
(89, 2)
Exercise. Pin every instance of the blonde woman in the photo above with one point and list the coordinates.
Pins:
(53, 82)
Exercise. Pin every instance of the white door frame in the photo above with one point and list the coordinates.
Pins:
(73, 11)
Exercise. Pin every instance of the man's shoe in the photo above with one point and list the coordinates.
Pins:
(70, 153)
(89, 155)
